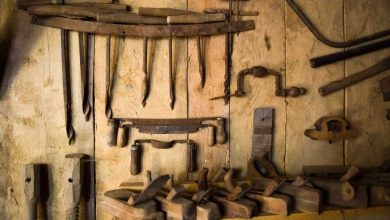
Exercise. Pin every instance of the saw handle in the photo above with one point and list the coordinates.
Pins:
(192, 150)
(221, 132)
(136, 155)
(211, 136)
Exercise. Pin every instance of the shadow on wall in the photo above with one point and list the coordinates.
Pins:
(9, 23)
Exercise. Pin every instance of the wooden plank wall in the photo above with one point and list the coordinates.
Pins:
(31, 106)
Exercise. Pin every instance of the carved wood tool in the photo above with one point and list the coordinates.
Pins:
(73, 182)
(175, 205)
(231, 201)
(385, 88)
(170, 126)
(305, 199)
(261, 72)
(342, 194)
(196, 18)
(126, 204)
(137, 149)
(331, 129)
(32, 190)
(226, 11)
(374, 70)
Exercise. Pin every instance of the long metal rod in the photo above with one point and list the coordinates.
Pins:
(171, 76)
(67, 86)
(108, 109)
(201, 59)
(314, 30)
(343, 55)
(145, 70)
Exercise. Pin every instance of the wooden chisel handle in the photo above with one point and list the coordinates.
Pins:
(221, 132)
(355, 78)
(136, 156)
(196, 18)
(211, 136)
(123, 136)
(191, 157)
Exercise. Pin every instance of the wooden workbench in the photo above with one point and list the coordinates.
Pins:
(31, 105)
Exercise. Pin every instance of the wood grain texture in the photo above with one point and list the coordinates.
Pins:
(365, 107)
(199, 106)
(303, 112)
(113, 166)
(266, 47)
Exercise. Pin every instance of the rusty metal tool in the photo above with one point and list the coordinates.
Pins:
(374, 70)
(86, 66)
(66, 80)
(31, 189)
(327, 41)
(171, 126)
(73, 179)
(146, 81)
(136, 30)
(172, 75)
(346, 54)
(126, 204)
(331, 128)
(174, 203)
(385, 88)
(136, 153)
(261, 72)
(201, 60)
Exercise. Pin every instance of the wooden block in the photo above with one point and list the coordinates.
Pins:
(178, 209)
(233, 209)
(207, 211)
(275, 204)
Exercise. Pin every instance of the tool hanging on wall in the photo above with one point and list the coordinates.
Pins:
(73, 180)
(343, 55)
(261, 72)
(314, 30)
(32, 190)
(137, 150)
(331, 129)
(160, 23)
(86, 47)
(128, 204)
(216, 126)
(374, 70)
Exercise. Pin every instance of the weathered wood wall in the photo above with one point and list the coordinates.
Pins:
(31, 106)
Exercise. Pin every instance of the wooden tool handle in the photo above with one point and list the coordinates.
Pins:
(63, 11)
(191, 157)
(129, 18)
(196, 18)
(221, 133)
(136, 156)
(123, 136)
(211, 136)
(355, 78)
(163, 12)
(202, 178)
(112, 136)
